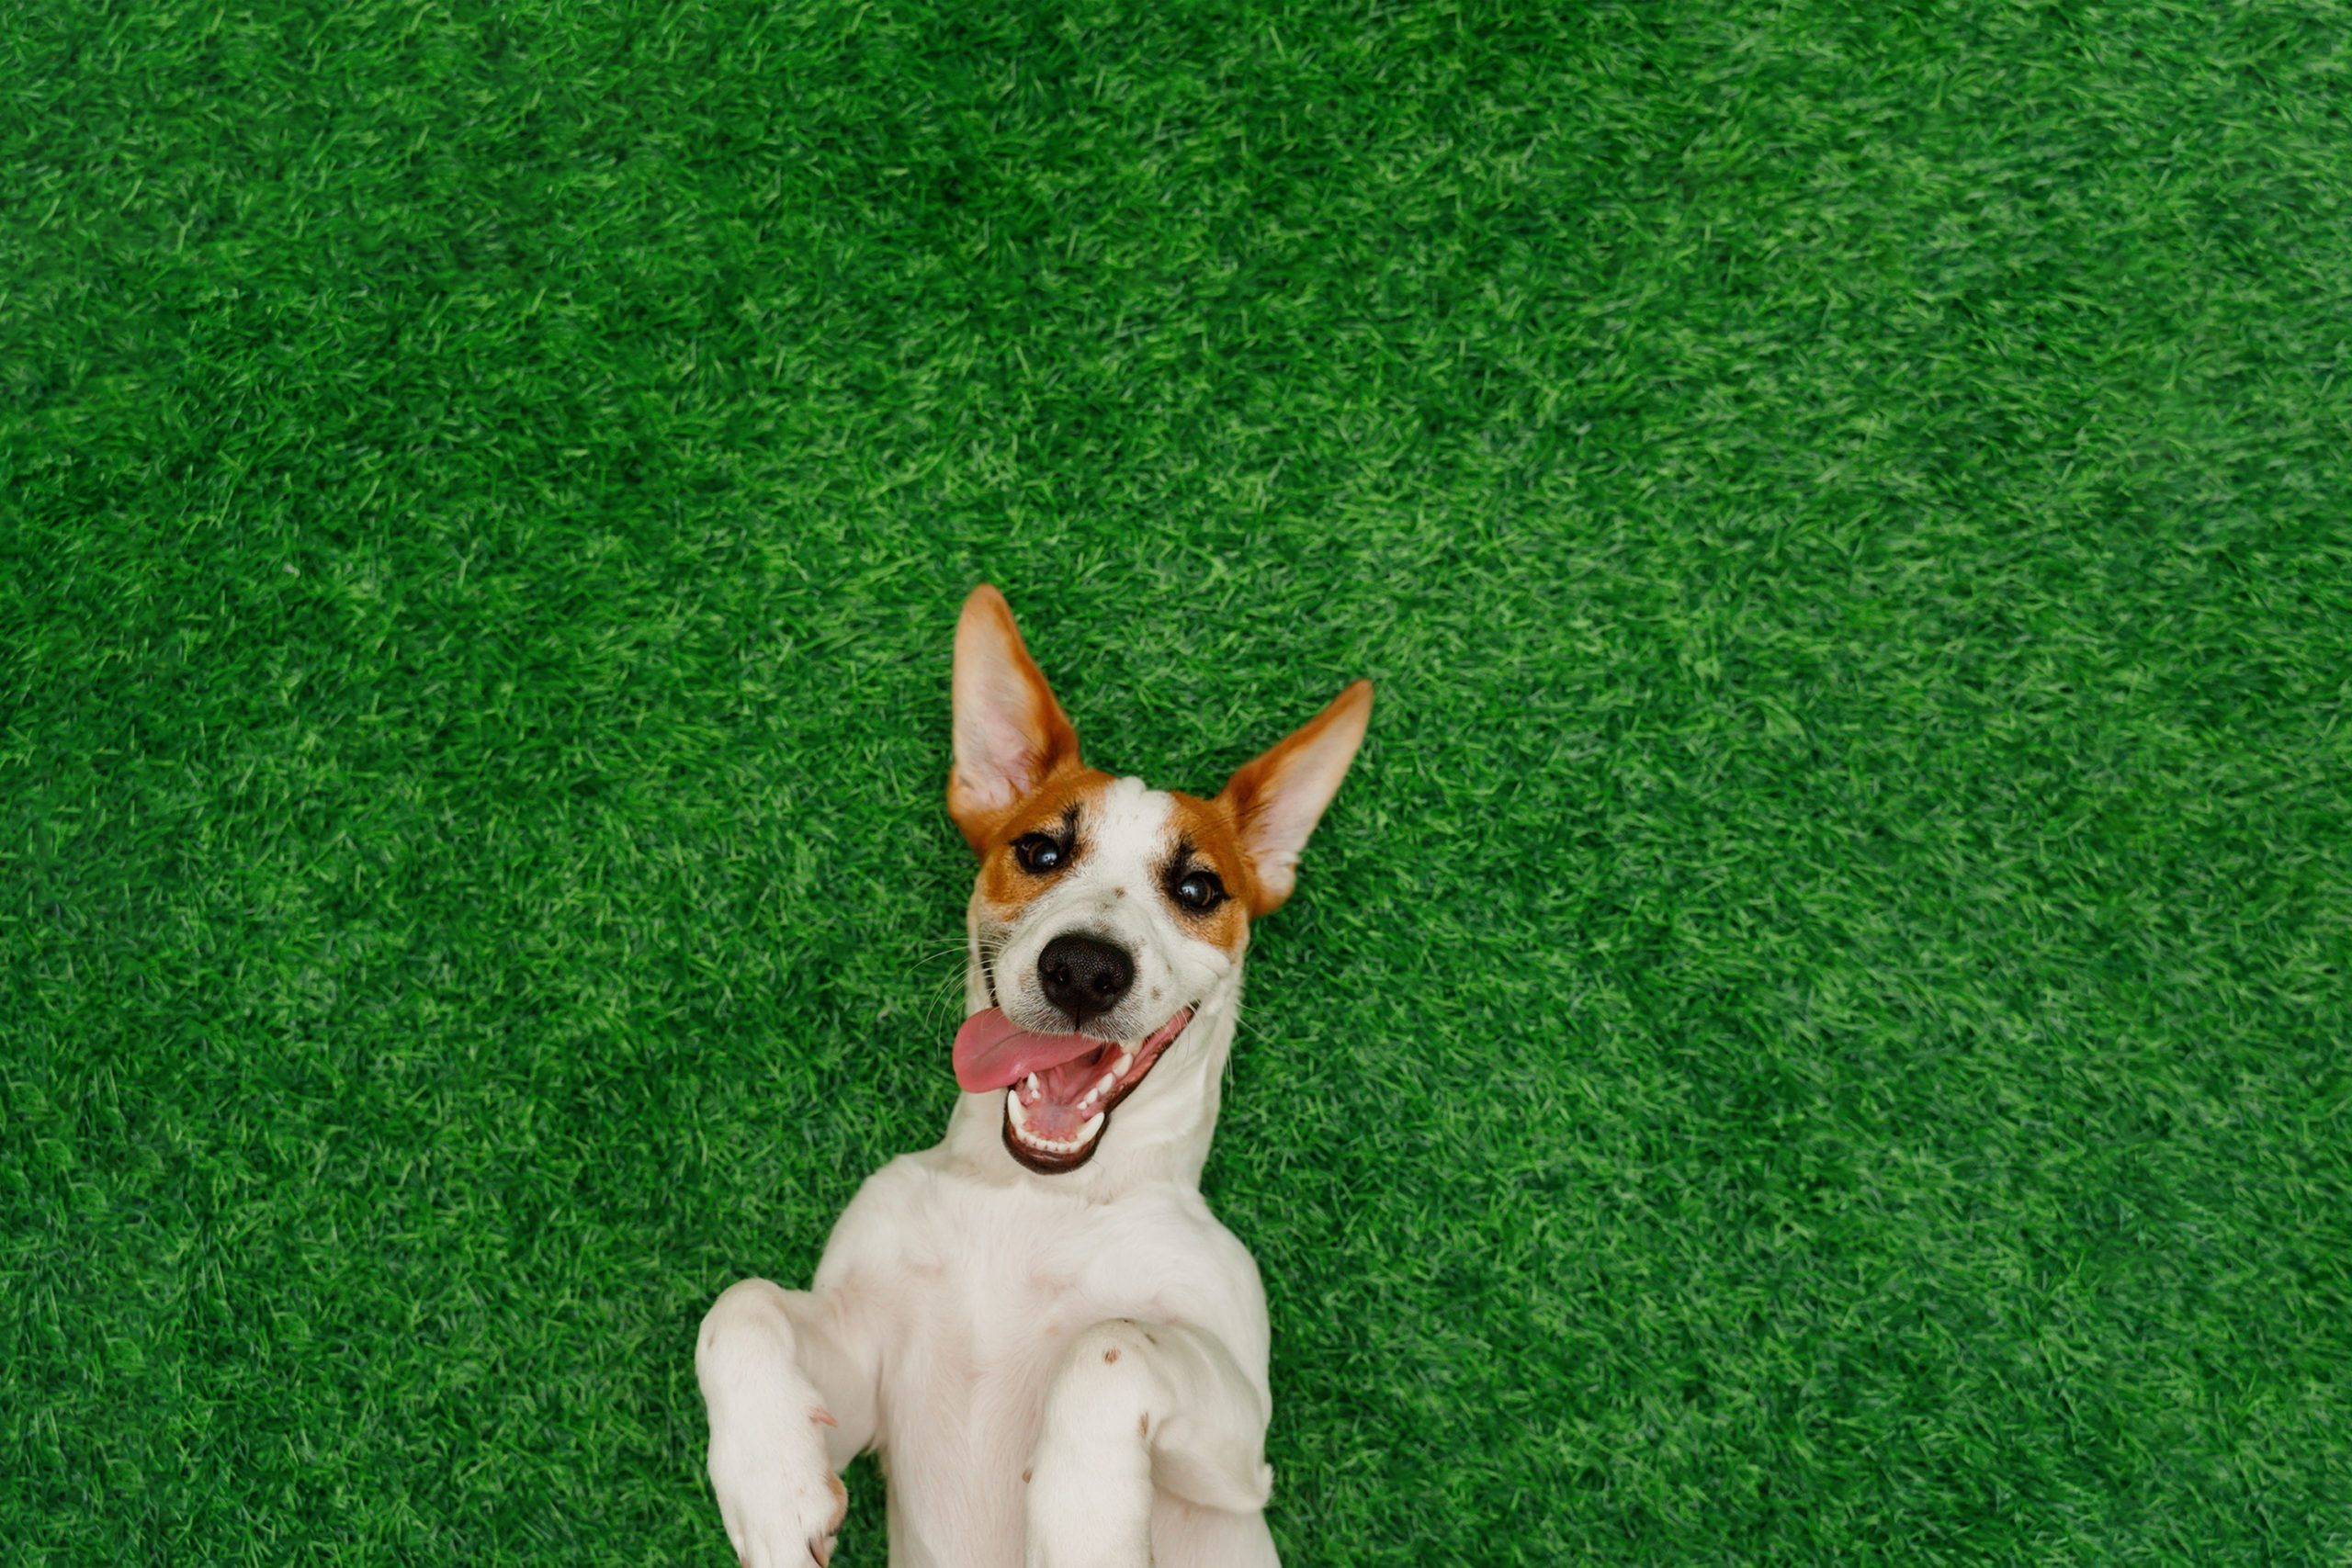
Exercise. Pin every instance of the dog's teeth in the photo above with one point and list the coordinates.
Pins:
(1019, 1112)
(1094, 1126)
(1119, 1068)
(1033, 1090)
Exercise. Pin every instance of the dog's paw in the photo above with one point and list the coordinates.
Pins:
(780, 1500)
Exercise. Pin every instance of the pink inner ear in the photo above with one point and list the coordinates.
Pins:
(1278, 797)
(1010, 733)
(1279, 829)
(996, 762)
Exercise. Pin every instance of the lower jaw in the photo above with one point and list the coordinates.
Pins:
(1053, 1162)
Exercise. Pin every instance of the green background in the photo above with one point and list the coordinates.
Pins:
(1816, 1032)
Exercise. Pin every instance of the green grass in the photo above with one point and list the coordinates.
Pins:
(1816, 1034)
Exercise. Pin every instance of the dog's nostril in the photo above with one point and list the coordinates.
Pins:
(1083, 975)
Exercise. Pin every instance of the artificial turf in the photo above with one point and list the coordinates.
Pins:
(1816, 1032)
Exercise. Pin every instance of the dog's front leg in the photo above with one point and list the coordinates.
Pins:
(790, 1385)
(1133, 1404)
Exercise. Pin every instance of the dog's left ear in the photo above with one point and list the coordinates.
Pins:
(1276, 799)
(1009, 730)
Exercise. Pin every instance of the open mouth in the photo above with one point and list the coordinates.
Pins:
(1059, 1089)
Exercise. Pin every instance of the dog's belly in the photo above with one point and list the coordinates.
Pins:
(959, 1420)
(984, 1288)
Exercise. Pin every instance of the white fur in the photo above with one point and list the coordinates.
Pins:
(1064, 1370)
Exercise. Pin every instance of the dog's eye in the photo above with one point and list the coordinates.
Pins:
(1199, 890)
(1037, 853)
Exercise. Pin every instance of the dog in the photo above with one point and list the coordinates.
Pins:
(1057, 1352)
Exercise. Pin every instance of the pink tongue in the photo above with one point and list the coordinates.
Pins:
(992, 1052)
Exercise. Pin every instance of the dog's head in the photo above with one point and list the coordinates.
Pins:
(1109, 921)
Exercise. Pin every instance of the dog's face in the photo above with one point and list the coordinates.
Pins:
(1104, 912)
(1109, 921)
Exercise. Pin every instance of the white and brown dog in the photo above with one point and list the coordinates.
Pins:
(1057, 1352)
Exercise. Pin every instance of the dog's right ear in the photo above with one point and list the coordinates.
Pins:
(1010, 732)
(1274, 800)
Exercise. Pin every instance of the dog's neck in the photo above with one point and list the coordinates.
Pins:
(1160, 1134)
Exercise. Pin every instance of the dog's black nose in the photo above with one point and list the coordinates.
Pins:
(1084, 976)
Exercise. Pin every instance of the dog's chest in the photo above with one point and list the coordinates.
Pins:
(986, 1285)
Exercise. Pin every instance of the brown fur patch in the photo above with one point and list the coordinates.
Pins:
(1216, 845)
(1004, 886)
